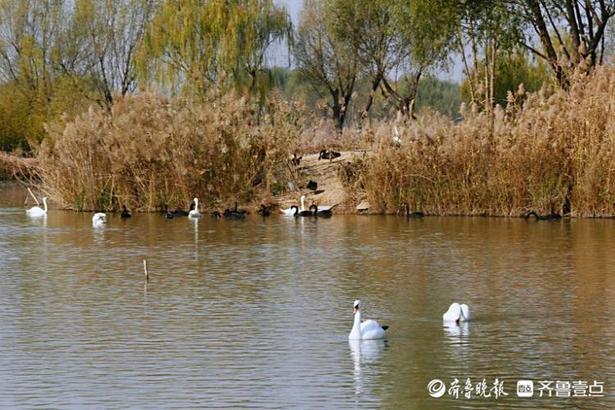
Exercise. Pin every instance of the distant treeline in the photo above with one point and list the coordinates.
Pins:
(80, 79)
(352, 60)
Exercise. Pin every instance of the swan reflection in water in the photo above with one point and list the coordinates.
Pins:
(195, 225)
(366, 355)
(456, 331)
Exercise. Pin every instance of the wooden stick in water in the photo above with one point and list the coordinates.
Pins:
(145, 271)
(35, 199)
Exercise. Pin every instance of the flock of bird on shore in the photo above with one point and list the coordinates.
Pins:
(99, 219)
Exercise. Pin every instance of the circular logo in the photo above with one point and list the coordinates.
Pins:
(436, 388)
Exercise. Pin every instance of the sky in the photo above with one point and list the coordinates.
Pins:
(279, 54)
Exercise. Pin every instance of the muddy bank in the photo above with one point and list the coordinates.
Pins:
(329, 188)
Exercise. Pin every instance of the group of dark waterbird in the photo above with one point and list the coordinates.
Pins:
(229, 213)
(100, 218)
(312, 211)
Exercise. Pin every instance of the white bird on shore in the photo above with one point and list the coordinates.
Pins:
(195, 213)
(37, 211)
(291, 211)
(99, 219)
(370, 329)
(457, 313)
(396, 137)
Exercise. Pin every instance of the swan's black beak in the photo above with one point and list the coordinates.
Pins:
(355, 310)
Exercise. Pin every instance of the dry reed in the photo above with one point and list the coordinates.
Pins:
(553, 154)
(154, 151)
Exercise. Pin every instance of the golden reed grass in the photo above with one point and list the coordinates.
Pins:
(153, 151)
(552, 154)
(555, 153)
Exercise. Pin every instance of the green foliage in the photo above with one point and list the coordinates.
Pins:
(17, 120)
(23, 118)
(439, 95)
(512, 70)
(428, 26)
(196, 45)
(328, 62)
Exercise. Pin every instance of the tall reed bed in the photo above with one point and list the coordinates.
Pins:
(554, 153)
(153, 151)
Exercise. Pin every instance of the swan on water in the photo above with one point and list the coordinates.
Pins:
(235, 213)
(125, 214)
(37, 210)
(316, 211)
(177, 212)
(264, 210)
(369, 329)
(194, 213)
(99, 219)
(291, 211)
(457, 313)
(298, 213)
(323, 210)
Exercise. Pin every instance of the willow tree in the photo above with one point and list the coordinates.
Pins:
(426, 29)
(369, 27)
(28, 33)
(569, 35)
(99, 44)
(395, 41)
(326, 59)
(194, 45)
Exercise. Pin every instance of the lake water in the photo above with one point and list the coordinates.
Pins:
(256, 313)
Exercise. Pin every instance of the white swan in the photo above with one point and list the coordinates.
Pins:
(457, 313)
(37, 210)
(99, 219)
(291, 211)
(370, 329)
(195, 213)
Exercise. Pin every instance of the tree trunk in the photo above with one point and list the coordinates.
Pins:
(410, 100)
(370, 99)
(547, 44)
(337, 110)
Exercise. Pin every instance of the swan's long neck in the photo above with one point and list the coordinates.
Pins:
(302, 203)
(45, 204)
(196, 204)
(355, 333)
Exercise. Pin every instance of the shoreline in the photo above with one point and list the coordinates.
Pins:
(347, 208)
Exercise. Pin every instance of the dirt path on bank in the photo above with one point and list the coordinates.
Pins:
(330, 190)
